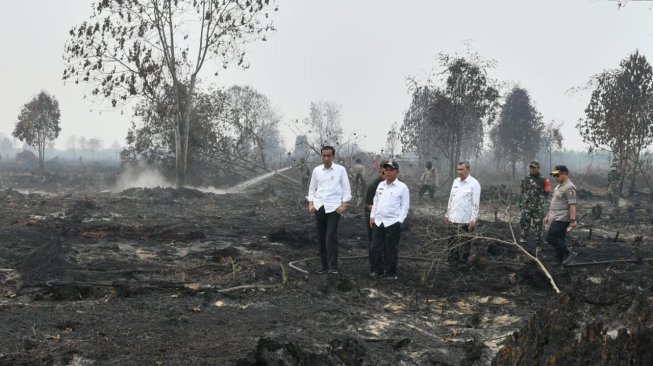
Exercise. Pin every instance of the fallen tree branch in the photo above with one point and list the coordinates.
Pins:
(294, 266)
(470, 237)
(633, 260)
(532, 257)
(244, 287)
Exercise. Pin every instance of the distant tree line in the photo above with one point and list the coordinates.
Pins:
(452, 112)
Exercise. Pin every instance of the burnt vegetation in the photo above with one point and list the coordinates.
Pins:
(214, 260)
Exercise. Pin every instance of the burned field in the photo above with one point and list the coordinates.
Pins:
(175, 276)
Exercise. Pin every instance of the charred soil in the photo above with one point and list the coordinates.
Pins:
(179, 277)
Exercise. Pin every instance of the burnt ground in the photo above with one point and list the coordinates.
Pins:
(139, 277)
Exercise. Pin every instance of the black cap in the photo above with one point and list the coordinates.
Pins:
(560, 169)
(390, 164)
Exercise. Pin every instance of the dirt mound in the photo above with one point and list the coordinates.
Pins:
(46, 262)
(78, 211)
(610, 323)
(160, 193)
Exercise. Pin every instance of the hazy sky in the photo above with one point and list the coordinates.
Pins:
(355, 53)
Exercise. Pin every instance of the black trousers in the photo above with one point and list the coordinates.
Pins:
(327, 237)
(384, 252)
(426, 188)
(557, 238)
(370, 230)
(370, 234)
(459, 243)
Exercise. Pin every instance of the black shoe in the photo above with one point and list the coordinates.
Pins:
(321, 271)
(332, 271)
(375, 275)
(569, 258)
(390, 277)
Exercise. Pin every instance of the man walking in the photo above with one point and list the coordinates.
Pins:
(389, 210)
(534, 190)
(428, 182)
(462, 210)
(561, 215)
(329, 194)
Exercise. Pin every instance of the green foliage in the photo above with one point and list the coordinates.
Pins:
(234, 269)
(157, 48)
(284, 276)
(228, 128)
(38, 123)
(449, 113)
(619, 116)
(252, 124)
(517, 136)
(425, 121)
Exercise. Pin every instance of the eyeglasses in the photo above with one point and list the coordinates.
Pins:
(556, 175)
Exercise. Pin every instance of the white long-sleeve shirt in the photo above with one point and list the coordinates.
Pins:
(464, 201)
(329, 187)
(391, 203)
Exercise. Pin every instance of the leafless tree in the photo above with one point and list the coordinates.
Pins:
(323, 126)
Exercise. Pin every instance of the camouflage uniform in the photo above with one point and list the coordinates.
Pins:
(534, 190)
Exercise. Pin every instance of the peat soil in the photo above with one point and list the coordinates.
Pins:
(151, 276)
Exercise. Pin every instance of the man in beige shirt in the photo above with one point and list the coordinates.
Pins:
(562, 214)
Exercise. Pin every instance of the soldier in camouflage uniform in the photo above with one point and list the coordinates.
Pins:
(534, 190)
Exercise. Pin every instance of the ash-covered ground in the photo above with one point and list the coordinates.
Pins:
(147, 277)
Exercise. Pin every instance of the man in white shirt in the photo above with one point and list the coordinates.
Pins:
(389, 210)
(463, 209)
(329, 194)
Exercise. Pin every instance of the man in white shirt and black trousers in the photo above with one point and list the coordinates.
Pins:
(389, 210)
(462, 210)
(329, 194)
